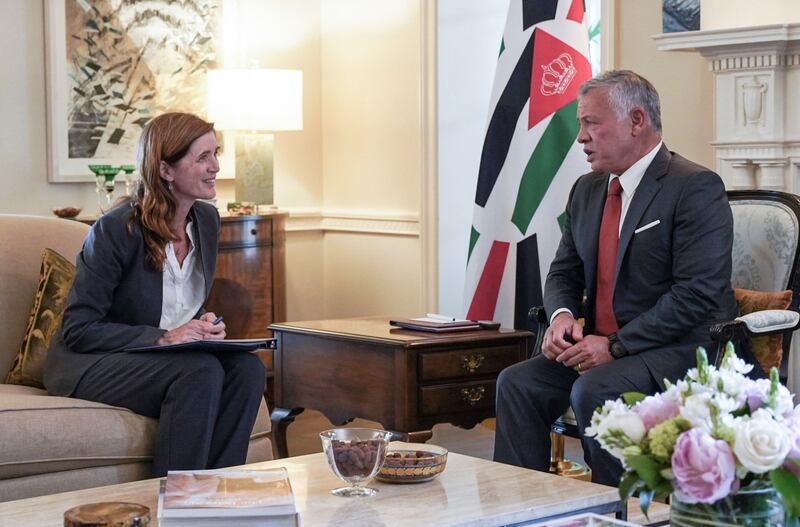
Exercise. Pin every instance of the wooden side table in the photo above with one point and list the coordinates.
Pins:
(406, 380)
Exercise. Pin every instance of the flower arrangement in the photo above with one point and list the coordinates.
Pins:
(707, 437)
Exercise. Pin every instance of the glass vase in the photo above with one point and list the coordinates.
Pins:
(750, 507)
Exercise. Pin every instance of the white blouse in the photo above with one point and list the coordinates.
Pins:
(183, 290)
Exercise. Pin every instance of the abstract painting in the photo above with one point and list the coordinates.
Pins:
(115, 64)
(680, 15)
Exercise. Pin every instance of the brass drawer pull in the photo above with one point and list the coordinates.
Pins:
(472, 395)
(470, 363)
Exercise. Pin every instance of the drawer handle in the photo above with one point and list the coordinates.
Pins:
(472, 395)
(472, 362)
(253, 231)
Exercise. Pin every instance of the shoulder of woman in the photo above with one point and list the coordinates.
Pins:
(114, 223)
(205, 212)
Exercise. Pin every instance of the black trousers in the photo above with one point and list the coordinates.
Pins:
(532, 394)
(206, 403)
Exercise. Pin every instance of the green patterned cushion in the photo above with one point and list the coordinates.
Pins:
(55, 279)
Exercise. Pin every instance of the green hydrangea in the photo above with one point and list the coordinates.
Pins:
(663, 436)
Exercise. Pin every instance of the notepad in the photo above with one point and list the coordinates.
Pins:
(213, 345)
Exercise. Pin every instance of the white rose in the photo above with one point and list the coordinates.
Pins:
(761, 444)
(626, 422)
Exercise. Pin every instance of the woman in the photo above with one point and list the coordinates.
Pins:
(142, 277)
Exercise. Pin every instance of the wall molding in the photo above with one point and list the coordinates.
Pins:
(352, 220)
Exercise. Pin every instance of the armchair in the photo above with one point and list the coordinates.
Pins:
(765, 257)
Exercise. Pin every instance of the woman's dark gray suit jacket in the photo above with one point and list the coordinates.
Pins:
(115, 299)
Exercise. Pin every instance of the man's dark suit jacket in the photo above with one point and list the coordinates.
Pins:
(673, 280)
(115, 299)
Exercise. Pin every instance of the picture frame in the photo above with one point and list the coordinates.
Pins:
(110, 70)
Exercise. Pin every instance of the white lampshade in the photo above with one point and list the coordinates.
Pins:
(255, 99)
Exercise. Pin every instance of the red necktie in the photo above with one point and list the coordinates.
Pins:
(604, 320)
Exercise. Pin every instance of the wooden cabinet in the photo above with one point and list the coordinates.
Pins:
(250, 282)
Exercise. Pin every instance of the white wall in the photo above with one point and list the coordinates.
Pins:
(727, 14)
(371, 166)
(468, 43)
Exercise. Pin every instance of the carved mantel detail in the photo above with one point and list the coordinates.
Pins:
(756, 82)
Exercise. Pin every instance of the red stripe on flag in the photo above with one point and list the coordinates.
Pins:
(576, 11)
(485, 299)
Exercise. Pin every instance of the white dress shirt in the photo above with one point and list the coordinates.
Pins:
(629, 181)
(183, 289)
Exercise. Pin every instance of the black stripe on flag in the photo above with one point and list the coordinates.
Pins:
(535, 11)
(501, 126)
(529, 284)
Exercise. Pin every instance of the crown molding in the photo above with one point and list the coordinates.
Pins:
(753, 40)
(352, 220)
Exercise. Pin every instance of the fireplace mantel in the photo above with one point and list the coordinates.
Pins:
(756, 101)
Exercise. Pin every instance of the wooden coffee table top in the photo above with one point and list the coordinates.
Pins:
(469, 490)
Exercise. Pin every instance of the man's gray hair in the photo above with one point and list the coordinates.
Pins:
(627, 90)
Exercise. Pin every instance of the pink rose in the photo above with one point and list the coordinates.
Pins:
(656, 409)
(704, 467)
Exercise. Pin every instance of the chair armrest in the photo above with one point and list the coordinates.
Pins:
(538, 315)
(760, 323)
(771, 321)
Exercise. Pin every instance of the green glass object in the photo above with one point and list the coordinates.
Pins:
(129, 179)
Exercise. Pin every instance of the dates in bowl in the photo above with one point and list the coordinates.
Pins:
(412, 462)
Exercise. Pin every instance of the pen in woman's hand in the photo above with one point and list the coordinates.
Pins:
(217, 321)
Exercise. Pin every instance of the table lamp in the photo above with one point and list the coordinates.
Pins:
(254, 103)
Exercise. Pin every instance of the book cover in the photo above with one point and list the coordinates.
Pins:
(226, 493)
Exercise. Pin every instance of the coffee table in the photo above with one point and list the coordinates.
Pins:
(470, 491)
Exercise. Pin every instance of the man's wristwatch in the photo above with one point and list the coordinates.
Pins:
(615, 347)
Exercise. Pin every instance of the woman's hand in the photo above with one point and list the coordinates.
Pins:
(198, 329)
(216, 331)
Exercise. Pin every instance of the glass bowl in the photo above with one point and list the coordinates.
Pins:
(355, 455)
(412, 463)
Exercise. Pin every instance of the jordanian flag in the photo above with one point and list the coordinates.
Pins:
(530, 158)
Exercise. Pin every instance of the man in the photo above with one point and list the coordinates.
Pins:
(647, 241)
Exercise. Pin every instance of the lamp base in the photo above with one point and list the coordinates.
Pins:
(254, 176)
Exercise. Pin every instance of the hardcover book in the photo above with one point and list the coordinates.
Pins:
(239, 496)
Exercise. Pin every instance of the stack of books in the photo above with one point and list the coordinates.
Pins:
(234, 497)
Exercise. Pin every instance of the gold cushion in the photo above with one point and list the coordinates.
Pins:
(55, 279)
(768, 350)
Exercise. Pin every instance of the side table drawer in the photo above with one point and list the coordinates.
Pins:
(464, 363)
(245, 231)
(461, 397)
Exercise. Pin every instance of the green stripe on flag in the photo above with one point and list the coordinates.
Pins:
(543, 165)
(562, 221)
(473, 239)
